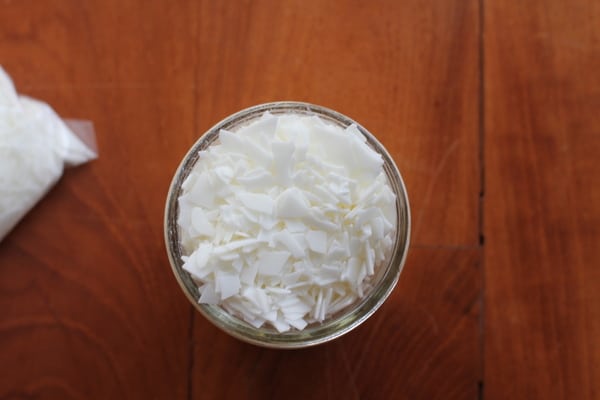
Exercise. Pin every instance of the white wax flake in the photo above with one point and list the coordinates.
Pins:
(258, 178)
(195, 264)
(280, 325)
(224, 173)
(229, 284)
(234, 245)
(317, 241)
(245, 146)
(290, 242)
(285, 221)
(292, 203)
(272, 262)
(208, 294)
(283, 161)
(257, 202)
(202, 192)
(248, 274)
(263, 129)
(258, 297)
(295, 226)
(369, 161)
(297, 323)
(200, 222)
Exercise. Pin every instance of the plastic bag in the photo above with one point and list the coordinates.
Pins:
(35, 146)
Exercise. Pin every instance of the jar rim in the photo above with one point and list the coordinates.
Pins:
(331, 328)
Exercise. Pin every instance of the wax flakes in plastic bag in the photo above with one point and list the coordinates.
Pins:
(35, 146)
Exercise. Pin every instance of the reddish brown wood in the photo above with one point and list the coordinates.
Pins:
(542, 201)
(90, 308)
(407, 71)
(89, 305)
(423, 343)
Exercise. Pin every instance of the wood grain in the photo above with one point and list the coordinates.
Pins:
(406, 71)
(456, 90)
(424, 343)
(89, 305)
(410, 74)
(542, 201)
(92, 310)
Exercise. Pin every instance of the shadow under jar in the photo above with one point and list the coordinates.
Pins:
(386, 274)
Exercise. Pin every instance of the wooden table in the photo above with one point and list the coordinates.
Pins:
(491, 109)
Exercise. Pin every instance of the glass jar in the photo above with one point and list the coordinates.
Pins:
(386, 275)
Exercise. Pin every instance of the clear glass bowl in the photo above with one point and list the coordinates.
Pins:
(386, 275)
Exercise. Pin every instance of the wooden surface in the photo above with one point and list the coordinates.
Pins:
(490, 108)
(542, 200)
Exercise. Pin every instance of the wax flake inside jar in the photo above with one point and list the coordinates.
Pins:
(286, 221)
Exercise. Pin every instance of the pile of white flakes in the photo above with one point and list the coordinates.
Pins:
(286, 220)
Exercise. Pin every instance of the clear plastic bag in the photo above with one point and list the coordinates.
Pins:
(35, 146)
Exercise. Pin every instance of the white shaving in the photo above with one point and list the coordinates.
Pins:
(35, 145)
(286, 221)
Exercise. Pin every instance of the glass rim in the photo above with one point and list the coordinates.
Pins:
(333, 327)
